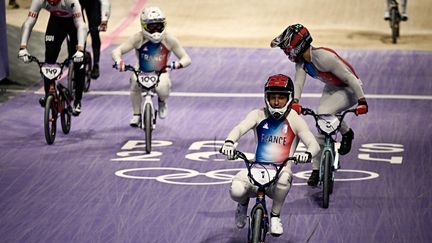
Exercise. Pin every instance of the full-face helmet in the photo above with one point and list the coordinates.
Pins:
(294, 41)
(283, 85)
(153, 24)
(53, 2)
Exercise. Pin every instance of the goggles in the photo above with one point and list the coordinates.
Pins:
(154, 27)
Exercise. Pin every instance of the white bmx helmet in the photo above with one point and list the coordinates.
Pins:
(153, 24)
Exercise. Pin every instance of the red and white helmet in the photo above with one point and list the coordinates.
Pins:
(294, 41)
(280, 84)
(153, 24)
(53, 2)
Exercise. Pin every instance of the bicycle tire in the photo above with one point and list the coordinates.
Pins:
(71, 80)
(88, 70)
(394, 19)
(50, 120)
(148, 126)
(257, 221)
(326, 179)
(65, 117)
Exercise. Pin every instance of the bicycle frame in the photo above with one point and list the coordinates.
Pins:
(328, 125)
(263, 177)
(57, 99)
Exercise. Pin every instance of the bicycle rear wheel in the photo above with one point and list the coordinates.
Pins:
(65, 117)
(326, 179)
(148, 126)
(50, 120)
(88, 69)
(257, 220)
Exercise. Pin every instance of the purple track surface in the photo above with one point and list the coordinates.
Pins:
(80, 188)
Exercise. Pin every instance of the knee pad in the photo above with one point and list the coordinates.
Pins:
(238, 191)
(284, 181)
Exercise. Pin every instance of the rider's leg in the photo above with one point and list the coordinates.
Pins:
(79, 69)
(93, 11)
(240, 191)
(163, 90)
(387, 10)
(136, 99)
(278, 193)
(404, 10)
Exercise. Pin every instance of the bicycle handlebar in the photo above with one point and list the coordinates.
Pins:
(131, 68)
(62, 64)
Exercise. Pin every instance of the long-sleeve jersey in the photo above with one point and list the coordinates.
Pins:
(152, 56)
(327, 66)
(277, 139)
(105, 9)
(65, 9)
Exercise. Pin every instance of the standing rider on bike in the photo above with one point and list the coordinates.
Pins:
(65, 20)
(342, 90)
(98, 13)
(153, 46)
(278, 131)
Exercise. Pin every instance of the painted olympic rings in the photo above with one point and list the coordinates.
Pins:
(178, 176)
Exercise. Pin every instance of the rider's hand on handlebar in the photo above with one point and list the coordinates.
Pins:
(23, 55)
(175, 65)
(78, 56)
(296, 106)
(305, 157)
(103, 26)
(228, 149)
(362, 106)
(120, 65)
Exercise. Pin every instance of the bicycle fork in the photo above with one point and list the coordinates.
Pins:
(148, 100)
(328, 146)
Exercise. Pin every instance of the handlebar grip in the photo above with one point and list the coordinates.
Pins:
(361, 109)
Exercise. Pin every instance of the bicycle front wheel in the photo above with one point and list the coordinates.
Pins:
(65, 117)
(257, 220)
(394, 18)
(148, 126)
(50, 120)
(88, 70)
(326, 179)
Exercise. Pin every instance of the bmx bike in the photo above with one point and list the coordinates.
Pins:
(58, 99)
(328, 125)
(148, 82)
(394, 20)
(263, 175)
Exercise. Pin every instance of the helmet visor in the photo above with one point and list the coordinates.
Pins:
(154, 27)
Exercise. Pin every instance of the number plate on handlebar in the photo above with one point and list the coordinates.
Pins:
(263, 173)
(148, 80)
(328, 123)
(51, 71)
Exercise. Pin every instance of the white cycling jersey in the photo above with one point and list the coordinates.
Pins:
(327, 66)
(65, 9)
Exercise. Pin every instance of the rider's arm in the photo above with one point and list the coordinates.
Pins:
(105, 10)
(302, 130)
(132, 43)
(29, 23)
(178, 50)
(244, 126)
(299, 81)
(79, 23)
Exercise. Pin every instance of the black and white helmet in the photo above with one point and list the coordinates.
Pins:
(153, 24)
(280, 84)
(294, 41)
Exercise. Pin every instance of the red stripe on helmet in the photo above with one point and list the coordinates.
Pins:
(298, 37)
